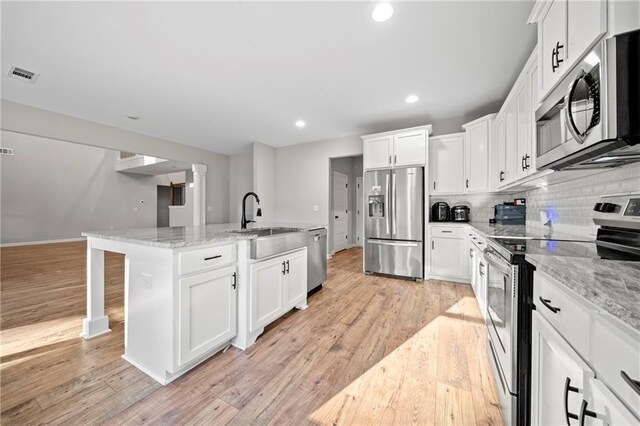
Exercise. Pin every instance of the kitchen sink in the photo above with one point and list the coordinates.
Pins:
(272, 241)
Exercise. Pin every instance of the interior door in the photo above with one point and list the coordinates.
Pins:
(359, 211)
(340, 211)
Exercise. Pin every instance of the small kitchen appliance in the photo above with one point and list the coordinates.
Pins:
(509, 214)
(440, 212)
(460, 213)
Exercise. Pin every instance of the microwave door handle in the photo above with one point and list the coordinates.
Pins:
(567, 114)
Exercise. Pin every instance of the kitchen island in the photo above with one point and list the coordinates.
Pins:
(192, 291)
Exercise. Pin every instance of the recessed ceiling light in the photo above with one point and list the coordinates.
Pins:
(300, 123)
(382, 12)
(411, 99)
(133, 117)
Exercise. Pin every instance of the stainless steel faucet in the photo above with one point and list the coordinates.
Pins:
(244, 221)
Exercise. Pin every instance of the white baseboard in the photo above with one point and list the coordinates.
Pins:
(448, 278)
(30, 243)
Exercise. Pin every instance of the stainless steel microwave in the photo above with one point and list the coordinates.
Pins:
(592, 118)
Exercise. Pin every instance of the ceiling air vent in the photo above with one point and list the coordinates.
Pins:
(22, 74)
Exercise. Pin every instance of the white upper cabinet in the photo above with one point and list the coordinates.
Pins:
(446, 164)
(566, 30)
(476, 153)
(552, 40)
(378, 152)
(410, 148)
(401, 148)
(497, 154)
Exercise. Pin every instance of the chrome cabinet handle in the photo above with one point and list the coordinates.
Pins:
(234, 282)
(213, 257)
(546, 303)
(584, 413)
(470, 252)
(635, 384)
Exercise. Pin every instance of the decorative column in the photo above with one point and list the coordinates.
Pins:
(96, 322)
(199, 194)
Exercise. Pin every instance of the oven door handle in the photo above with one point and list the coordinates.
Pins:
(497, 262)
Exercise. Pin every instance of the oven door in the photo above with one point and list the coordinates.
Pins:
(501, 314)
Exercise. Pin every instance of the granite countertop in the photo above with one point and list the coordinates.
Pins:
(611, 285)
(186, 236)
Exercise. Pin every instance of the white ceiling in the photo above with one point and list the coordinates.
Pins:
(223, 75)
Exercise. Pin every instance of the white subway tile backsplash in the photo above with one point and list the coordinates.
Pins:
(570, 203)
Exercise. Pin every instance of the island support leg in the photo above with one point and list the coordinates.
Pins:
(96, 322)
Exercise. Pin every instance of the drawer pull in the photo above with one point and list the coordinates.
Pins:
(635, 384)
(447, 232)
(213, 257)
(546, 302)
(584, 412)
(568, 388)
(470, 252)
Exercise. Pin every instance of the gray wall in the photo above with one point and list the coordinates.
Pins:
(55, 190)
(303, 178)
(240, 182)
(264, 180)
(38, 122)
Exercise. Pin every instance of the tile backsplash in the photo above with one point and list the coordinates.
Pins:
(481, 205)
(569, 204)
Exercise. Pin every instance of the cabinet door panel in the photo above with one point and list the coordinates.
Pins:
(377, 152)
(449, 257)
(608, 408)
(296, 280)
(553, 34)
(500, 155)
(554, 366)
(510, 142)
(477, 157)
(267, 295)
(207, 315)
(586, 23)
(523, 130)
(446, 160)
(409, 149)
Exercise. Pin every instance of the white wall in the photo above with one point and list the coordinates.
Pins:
(56, 190)
(303, 180)
(264, 180)
(240, 182)
(38, 122)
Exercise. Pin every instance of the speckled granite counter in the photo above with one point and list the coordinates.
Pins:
(521, 231)
(611, 285)
(186, 236)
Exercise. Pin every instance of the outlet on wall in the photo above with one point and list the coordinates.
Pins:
(316, 208)
(146, 280)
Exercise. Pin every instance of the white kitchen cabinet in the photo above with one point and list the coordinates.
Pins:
(446, 164)
(400, 148)
(567, 29)
(602, 407)
(296, 279)
(478, 134)
(378, 152)
(481, 282)
(523, 130)
(207, 312)
(556, 370)
(498, 155)
(552, 40)
(510, 142)
(449, 257)
(276, 286)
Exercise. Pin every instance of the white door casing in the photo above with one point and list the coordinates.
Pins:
(340, 211)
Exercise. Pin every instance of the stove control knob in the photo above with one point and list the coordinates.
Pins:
(597, 207)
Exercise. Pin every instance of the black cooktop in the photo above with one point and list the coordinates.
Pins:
(594, 250)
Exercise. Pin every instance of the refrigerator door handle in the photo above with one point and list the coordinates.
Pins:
(393, 205)
(395, 243)
(386, 204)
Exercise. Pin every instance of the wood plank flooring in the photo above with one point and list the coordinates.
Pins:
(368, 350)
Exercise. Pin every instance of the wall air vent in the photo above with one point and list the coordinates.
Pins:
(22, 74)
(6, 151)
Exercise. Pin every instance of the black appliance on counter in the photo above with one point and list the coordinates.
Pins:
(510, 294)
(440, 212)
(460, 213)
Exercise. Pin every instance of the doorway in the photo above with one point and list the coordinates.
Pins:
(344, 173)
(340, 211)
(164, 197)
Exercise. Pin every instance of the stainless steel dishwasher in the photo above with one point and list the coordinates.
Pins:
(316, 258)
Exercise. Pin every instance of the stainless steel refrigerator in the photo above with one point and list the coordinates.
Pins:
(394, 222)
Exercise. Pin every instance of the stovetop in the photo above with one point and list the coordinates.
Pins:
(512, 249)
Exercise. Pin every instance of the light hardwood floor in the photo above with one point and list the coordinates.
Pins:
(368, 350)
